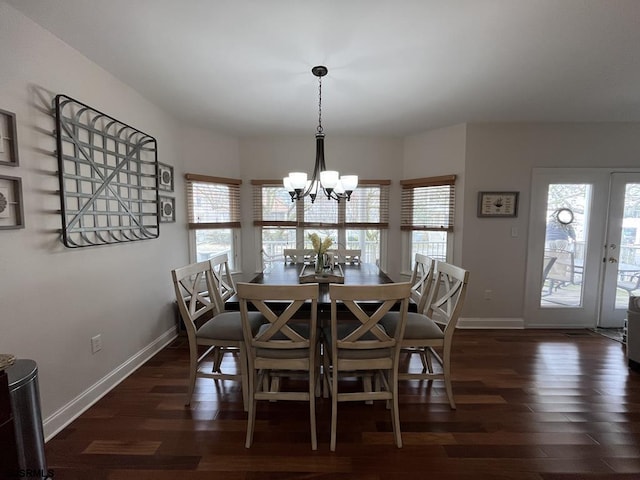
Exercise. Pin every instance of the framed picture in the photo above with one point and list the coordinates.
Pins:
(8, 139)
(167, 209)
(11, 209)
(498, 204)
(165, 177)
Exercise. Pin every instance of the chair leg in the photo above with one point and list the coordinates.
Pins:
(395, 414)
(334, 409)
(446, 367)
(366, 382)
(244, 376)
(326, 377)
(312, 406)
(251, 417)
(216, 358)
(193, 370)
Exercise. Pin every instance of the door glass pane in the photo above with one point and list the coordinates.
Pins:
(565, 245)
(629, 259)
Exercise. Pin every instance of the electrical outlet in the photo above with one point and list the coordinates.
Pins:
(488, 294)
(96, 343)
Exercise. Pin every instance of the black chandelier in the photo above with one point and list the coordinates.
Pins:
(333, 185)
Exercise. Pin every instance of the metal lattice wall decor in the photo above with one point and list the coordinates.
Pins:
(108, 177)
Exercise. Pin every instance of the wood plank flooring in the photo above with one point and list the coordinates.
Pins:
(532, 405)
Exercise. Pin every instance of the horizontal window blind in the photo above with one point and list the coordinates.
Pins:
(272, 205)
(213, 202)
(369, 205)
(323, 213)
(428, 203)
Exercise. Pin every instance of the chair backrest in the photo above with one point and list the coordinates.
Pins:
(449, 291)
(269, 259)
(224, 286)
(299, 255)
(279, 334)
(422, 281)
(195, 294)
(347, 255)
(368, 334)
(563, 268)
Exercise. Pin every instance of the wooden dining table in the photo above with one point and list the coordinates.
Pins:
(282, 273)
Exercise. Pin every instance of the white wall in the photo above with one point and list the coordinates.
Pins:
(500, 157)
(274, 157)
(54, 299)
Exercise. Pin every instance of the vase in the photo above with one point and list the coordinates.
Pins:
(320, 258)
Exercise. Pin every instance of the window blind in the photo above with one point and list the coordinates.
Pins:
(428, 203)
(213, 202)
(369, 205)
(272, 205)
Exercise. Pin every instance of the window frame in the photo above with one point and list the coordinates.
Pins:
(408, 225)
(340, 224)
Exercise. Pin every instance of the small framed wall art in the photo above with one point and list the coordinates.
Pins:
(165, 177)
(498, 204)
(8, 139)
(167, 209)
(11, 209)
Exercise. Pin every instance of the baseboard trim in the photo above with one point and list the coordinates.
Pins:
(491, 323)
(62, 417)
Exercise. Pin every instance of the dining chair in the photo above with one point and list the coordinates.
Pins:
(361, 346)
(299, 255)
(207, 325)
(422, 280)
(285, 344)
(224, 289)
(433, 327)
(348, 255)
(631, 284)
(269, 259)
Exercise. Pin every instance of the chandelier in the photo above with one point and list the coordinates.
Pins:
(329, 182)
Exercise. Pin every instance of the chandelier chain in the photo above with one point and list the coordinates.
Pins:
(319, 104)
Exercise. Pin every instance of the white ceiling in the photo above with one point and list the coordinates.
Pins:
(396, 67)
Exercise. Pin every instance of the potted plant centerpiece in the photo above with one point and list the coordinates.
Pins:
(320, 247)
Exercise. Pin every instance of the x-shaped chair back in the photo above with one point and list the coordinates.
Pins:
(422, 281)
(194, 288)
(449, 291)
(223, 281)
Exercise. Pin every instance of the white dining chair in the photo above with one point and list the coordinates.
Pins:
(206, 325)
(361, 346)
(285, 344)
(431, 330)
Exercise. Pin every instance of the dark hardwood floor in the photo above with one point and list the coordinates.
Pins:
(532, 405)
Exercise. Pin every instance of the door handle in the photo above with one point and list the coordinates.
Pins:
(612, 260)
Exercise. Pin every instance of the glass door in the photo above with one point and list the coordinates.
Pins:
(568, 208)
(621, 253)
(583, 259)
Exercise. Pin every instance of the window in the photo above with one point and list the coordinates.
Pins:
(356, 224)
(213, 205)
(428, 215)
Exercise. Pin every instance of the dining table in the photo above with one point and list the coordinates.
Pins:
(286, 273)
